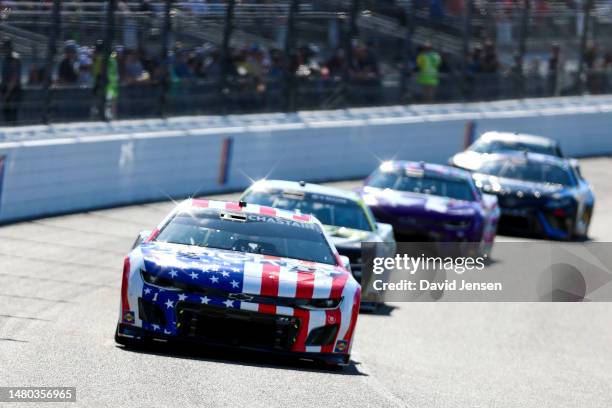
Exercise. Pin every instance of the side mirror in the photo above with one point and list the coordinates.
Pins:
(346, 262)
(142, 235)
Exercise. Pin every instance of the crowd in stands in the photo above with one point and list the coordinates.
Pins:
(137, 66)
(257, 68)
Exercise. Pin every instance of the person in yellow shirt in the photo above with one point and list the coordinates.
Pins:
(428, 64)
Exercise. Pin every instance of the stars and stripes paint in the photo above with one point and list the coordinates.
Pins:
(223, 279)
(228, 273)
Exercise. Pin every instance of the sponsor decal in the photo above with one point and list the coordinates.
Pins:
(341, 346)
(283, 221)
(128, 317)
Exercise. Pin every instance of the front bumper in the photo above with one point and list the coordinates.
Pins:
(164, 314)
(132, 335)
(420, 228)
(538, 221)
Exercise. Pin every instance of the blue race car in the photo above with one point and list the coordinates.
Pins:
(538, 194)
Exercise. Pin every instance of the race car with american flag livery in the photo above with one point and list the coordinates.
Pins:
(240, 275)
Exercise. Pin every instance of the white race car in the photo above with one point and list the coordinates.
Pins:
(344, 215)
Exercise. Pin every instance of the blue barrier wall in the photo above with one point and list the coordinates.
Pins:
(64, 168)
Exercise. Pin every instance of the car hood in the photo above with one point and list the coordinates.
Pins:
(234, 272)
(416, 203)
(468, 160)
(342, 236)
(504, 186)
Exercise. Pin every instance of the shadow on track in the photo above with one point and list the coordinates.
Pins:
(380, 310)
(242, 357)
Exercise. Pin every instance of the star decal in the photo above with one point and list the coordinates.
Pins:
(169, 304)
(173, 273)
(155, 327)
(234, 284)
(214, 279)
(147, 291)
(229, 303)
(193, 275)
(205, 300)
(182, 296)
(236, 269)
(225, 274)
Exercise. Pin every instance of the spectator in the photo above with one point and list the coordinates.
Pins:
(365, 65)
(336, 64)
(182, 68)
(111, 88)
(212, 65)
(428, 64)
(474, 65)
(68, 73)
(134, 72)
(490, 62)
(36, 75)
(590, 58)
(554, 66)
(489, 82)
(10, 88)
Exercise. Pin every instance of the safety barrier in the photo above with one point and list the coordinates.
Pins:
(47, 170)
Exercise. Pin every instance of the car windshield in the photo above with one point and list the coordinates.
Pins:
(253, 233)
(330, 210)
(423, 183)
(502, 146)
(539, 172)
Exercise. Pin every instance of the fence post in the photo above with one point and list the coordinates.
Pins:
(409, 13)
(523, 44)
(465, 85)
(348, 48)
(225, 54)
(165, 59)
(51, 53)
(583, 44)
(106, 53)
(290, 37)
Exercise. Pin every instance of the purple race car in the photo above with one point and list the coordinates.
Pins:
(430, 202)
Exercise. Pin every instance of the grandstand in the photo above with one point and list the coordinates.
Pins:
(221, 57)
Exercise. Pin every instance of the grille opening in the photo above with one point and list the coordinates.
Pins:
(237, 327)
(150, 313)
(322, 336)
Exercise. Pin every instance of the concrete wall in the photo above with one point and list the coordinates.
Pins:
(66, 168)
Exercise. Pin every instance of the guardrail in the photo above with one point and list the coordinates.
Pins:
(47, 170)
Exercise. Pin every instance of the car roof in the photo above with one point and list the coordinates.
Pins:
(536, 157)
(248, 209)
(437, 169)
(310, 188)
(518, 138)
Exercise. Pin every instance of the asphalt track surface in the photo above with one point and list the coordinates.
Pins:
(59, 295)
